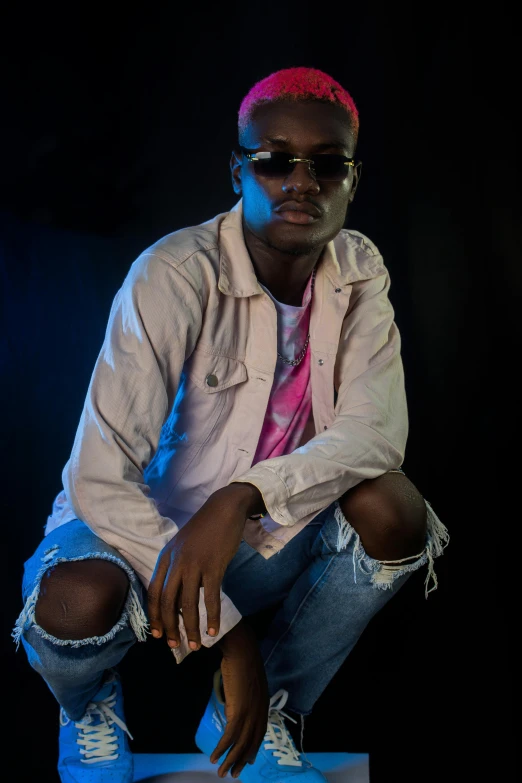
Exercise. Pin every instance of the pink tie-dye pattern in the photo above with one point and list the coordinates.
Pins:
(290, 402)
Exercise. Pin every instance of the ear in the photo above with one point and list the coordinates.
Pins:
(355, 181)
(235, 170)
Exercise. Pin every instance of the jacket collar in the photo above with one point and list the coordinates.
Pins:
(340, 261)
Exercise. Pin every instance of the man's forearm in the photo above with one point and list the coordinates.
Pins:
(240, 638)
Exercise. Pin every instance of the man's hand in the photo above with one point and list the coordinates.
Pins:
(198, 555)
(246, 700)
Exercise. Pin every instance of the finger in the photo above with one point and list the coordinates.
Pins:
(256, 744)
(190, 606)
(154, 597)
(237, 756)
(247, 757)
(212, 595)
(169, 606)
(228, 739)
(258, 736)
(235, 739)
(251, 749)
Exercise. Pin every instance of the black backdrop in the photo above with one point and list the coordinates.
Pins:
(118, 130)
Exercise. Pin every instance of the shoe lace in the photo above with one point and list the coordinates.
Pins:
(277, 737)
(99, 739)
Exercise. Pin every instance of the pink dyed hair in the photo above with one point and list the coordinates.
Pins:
(297, 84)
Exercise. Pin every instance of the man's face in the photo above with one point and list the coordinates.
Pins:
(302, 129)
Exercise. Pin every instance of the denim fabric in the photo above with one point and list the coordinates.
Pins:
(329, 588)
(326, 605)
(74, 670)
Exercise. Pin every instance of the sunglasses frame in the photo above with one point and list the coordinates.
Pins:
(252, 158)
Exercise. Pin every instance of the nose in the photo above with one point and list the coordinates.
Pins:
(301, 180)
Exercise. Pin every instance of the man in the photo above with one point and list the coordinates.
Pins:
(240, 448)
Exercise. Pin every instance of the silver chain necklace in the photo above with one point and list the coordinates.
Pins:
(295, 362)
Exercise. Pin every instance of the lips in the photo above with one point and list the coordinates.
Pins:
(301, 212)
(299, 206)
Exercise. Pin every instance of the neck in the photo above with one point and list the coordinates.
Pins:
(284, 274)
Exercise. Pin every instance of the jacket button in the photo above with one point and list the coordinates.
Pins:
(337, 290)
(211, 380)
(320, 362)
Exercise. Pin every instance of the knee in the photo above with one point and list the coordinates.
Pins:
(81, 599)
(390, 516)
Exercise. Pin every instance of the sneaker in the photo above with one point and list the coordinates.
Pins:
(95, 748)
(277, 760)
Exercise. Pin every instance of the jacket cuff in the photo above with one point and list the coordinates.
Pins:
(274, 491)
(229, 618)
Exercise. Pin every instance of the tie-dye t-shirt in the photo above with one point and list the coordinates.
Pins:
(290, 403)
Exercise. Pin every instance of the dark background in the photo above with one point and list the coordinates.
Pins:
(117, 129)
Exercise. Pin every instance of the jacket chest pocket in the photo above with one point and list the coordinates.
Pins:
(204, 403)
(214, 374)
(207, 393)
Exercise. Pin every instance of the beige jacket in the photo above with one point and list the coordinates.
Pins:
(155, 440)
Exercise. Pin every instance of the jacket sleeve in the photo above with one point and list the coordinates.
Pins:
(369, 432)
(153, 326)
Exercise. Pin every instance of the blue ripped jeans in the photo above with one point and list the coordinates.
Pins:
(328, 587)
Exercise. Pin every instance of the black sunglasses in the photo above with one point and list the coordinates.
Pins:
(278, 165)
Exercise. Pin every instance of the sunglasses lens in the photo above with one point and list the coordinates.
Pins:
(330, 167)
(276, 166)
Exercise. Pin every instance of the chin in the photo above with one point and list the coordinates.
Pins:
(295, 245)
(294, 250)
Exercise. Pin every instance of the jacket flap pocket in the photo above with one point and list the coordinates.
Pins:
(215, 373)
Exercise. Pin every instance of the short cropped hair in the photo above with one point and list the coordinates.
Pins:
(297, 84)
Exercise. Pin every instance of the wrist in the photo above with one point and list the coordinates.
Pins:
(239, 638)
(251, 498)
